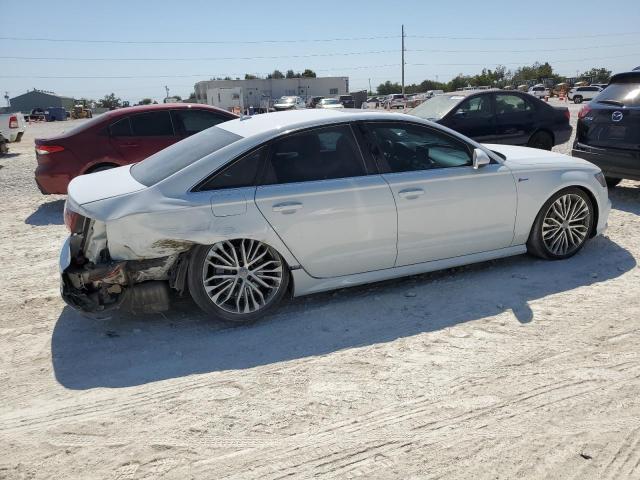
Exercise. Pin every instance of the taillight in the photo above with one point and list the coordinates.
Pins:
(567, 114)
(47, 149)
(13, 121)
(71, 219)
(584, 111)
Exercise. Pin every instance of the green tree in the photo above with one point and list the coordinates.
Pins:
(387, 88)
(277, 74)
(248, 76)
(291, 74)
(145, 101)
(308, 73)
(597, 75)
(110, 101)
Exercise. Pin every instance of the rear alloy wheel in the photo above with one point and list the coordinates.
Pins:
(237, 280)
(563, 225)
(612, 182)
(577, 99)
(541, 140)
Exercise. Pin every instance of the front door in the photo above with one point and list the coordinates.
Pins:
(446, 208)
(334, 217)
(474, 118)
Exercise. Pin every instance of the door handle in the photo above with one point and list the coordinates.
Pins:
(411, 193)
(287, 207)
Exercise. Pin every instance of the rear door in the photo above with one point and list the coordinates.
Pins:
(336, 215)
(475, 118)
(515, 118)
(139, 136)
(186, 122)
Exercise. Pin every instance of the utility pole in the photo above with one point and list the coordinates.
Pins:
(6, 97)
(370, 92)
(167, 89)
(403, 59)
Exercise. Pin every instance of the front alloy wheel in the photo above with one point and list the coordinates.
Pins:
(237, 280)
(563, 225)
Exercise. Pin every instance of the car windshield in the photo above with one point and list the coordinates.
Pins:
(436, 107)
(172, 159)
(287, 100)
(628, 94)
(329, 101)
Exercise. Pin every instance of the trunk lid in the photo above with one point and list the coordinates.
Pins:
(610, 126)
(102, 185)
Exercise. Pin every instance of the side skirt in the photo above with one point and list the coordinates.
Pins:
(305, 284)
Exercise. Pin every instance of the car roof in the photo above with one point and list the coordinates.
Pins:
(278, 122)
(625, 76)
(162, 106)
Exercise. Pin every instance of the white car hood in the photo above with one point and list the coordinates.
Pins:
(525, 156)
(100, 185)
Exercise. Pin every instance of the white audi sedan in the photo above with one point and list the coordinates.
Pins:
(299, 202)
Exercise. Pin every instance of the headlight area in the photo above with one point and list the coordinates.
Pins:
(94, 283)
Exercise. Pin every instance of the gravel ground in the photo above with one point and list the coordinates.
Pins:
(516, 368)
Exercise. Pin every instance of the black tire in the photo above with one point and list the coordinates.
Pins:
(577, 99)
(612, 182)
(101, 168)
(541, 140)
(536, 245)
(198, 292)
(4, 148)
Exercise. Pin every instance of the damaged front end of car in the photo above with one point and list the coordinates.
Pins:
(95, 283)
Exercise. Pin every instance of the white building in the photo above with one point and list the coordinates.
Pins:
(261, 92)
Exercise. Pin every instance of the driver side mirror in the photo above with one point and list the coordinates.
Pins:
(480, 158)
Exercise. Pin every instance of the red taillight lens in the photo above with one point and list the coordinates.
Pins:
(71, 218)
(584, 111)
(13, 121)
(567, 114)
(47, 149)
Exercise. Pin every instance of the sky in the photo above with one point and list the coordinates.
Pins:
(361, 40)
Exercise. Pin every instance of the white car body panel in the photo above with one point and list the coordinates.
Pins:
(340, 232)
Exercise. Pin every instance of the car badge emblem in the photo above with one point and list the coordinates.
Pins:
(616, 116)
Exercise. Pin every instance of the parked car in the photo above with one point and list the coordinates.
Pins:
(580, 94)
(395, 100)
(289, 103)
(248, 211)
(601, 85)
(313, 101)
(118, 137)
(12, 127)
(347, 101)
(539, 91)
(608, 131)
(496, 116)
(330, 103)
(371, 102)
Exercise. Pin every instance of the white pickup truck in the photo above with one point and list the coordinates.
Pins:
(12, 127)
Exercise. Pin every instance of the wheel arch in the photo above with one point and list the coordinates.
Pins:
(545, 130)
(95, 166)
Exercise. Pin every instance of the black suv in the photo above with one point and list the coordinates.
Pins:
(608, 132)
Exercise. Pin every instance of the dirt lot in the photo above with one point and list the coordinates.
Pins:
(517, 368)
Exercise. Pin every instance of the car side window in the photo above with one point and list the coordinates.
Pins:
(121, 128)
(188, 122)
(506, 103)
(406, 148)
(477, 106)
(319, 154)
(240, 173)
(152, 124)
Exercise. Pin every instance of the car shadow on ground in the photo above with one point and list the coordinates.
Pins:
(9, 155)
(133, 350)
(49, 213)
(626, 197)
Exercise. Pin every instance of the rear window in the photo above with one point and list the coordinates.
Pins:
(626, 92)
(436, 107)
(172, 159)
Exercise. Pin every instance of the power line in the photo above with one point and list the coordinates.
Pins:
(303, 40)
(524, 63)
(173, 59)
(194, 42)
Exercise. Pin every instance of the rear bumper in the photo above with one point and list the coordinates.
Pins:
(50, 183)
(562, 135)
(613, 162)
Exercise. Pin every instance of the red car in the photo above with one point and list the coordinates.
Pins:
(118, 137)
